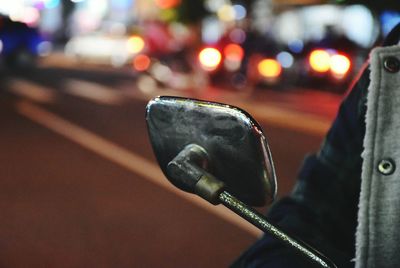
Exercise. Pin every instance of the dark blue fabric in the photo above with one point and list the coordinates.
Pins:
(322, 209)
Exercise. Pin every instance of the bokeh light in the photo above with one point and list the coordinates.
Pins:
(233, 52)
(226, 13)
(44, 48)
(340, 64)
(296, 45)
(141, 63)
(320, 60)
(285, 59)
(135, 44)
(240, 12)
(51, 3)
(28, 15)
(210, 58)
(269, 68)
(214, 5)
(167, 3)
(237, 35)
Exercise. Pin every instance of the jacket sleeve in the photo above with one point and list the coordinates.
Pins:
(322, 209)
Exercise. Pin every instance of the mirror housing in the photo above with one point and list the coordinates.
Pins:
(234, 149)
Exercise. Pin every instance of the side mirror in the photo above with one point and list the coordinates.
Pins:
(219, 152)
(230, 145)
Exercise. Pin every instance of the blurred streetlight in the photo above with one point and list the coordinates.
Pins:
(210, 58)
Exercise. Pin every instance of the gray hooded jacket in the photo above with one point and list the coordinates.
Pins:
(377, 237)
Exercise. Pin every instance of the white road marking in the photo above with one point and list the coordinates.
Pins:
(94, 92)
(32, 91)
(288, 119)
(125, 158)
(61, 61)
(268, 112)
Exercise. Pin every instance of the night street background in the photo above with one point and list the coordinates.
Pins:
(80, 186)
(79, 183)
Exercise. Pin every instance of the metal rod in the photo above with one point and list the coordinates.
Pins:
(260, 222)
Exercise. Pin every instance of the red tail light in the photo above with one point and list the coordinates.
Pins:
(323, 61)
(141, 63)
(233, 52)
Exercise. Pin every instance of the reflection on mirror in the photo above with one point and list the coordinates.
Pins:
(221, 140)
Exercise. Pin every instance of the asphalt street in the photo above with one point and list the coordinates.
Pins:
(80, 186)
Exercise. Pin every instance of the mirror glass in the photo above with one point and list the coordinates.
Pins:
(238, 151)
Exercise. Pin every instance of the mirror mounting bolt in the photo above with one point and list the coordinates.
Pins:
(209, 188)
(186, 171)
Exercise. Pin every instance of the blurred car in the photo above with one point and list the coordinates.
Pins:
(20, 44)
(329, 63)
(171, 70)
(168, 59)
(326, 43)
(251, 63)
(222, 63)
(99, 47)
(327, 66)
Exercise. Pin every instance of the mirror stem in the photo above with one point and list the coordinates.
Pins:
(187, 172)
(260, 222)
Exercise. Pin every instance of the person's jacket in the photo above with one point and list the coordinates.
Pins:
(346, 202)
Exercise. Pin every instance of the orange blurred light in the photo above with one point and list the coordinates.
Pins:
(233, 52)
(141, 63)
(340, 64)
(135, 44)
(320, 60)
(269, 68)
(210, 58)
(167, 3)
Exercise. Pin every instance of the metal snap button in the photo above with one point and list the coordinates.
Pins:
(386, 166)
(391, 64)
